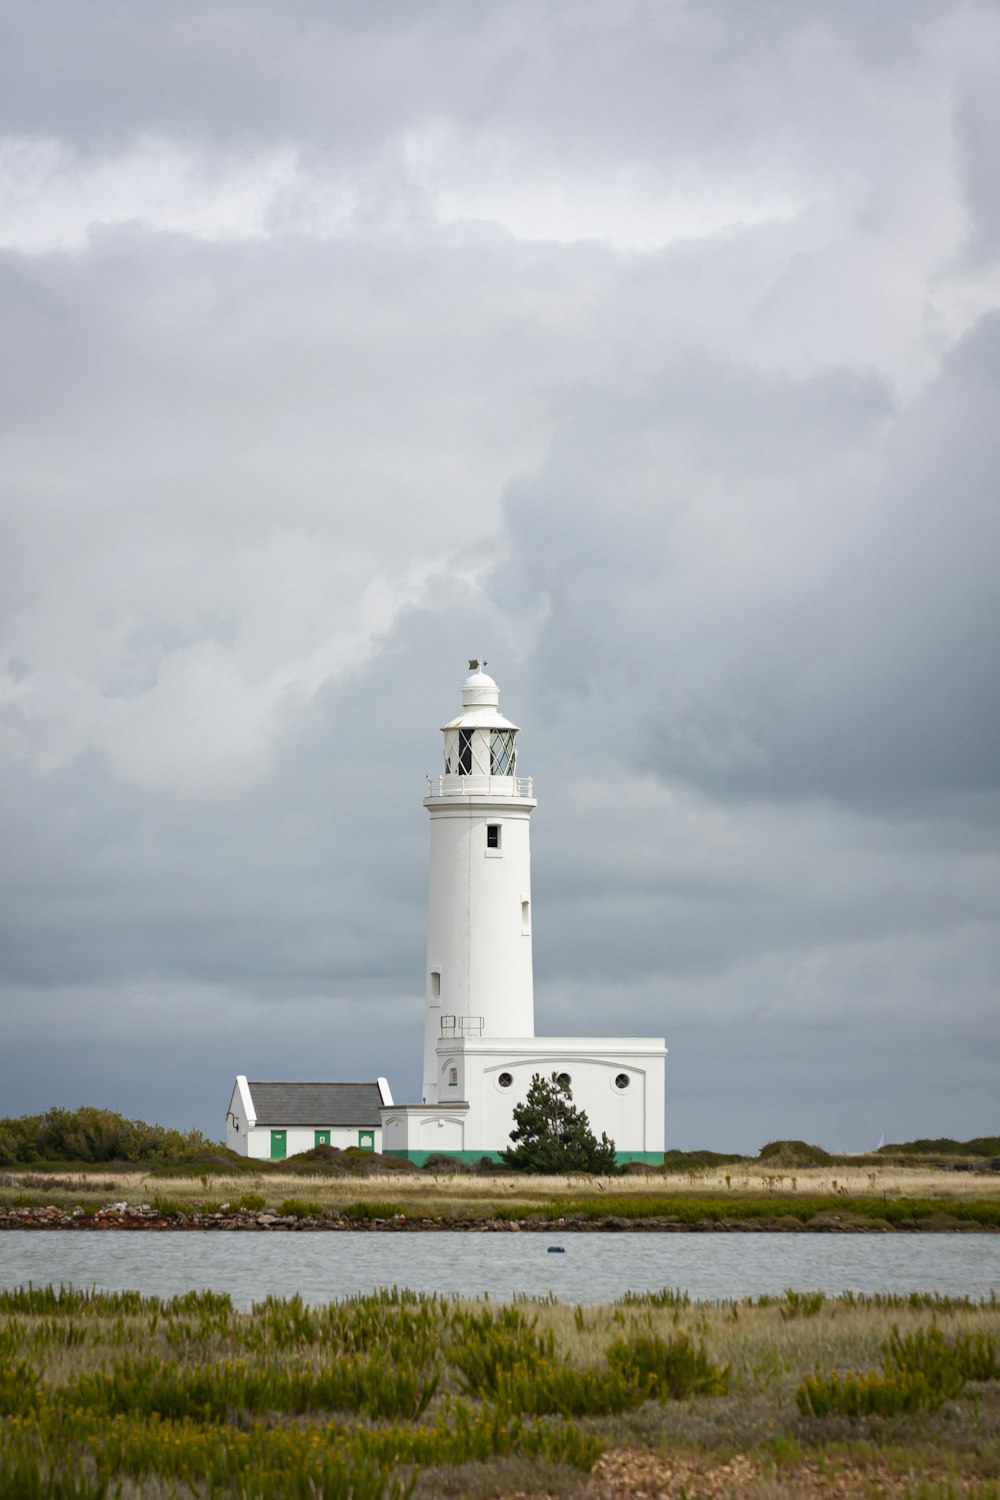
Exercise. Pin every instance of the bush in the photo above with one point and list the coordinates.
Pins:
(491, 1345)
(802, 1304)
(296, 1208)
(89, 1134)
(667, 1369)
(947, 1363)
(172, 1208)
(793, 1154)
(697, 1161)
(867, 1395)
(364, 1213)
(983, 1145)
(922, 1370)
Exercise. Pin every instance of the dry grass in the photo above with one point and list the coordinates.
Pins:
(428, 1194)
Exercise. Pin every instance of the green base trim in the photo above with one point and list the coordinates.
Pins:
(420, 1158)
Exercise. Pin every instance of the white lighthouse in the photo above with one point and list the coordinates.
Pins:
(480, 1048)
(479, 976)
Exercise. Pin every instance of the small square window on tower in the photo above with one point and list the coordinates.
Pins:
(493, 835)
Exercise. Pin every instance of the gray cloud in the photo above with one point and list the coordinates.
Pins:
(652, 353)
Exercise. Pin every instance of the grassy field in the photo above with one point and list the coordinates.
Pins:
(469, 1194)
(390, 1395)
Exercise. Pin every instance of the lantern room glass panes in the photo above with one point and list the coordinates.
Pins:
(479, 752)
(502, 752)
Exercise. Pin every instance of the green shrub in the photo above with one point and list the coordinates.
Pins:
(923, 1369)
(249, 1203)
(697, 1161)
(172, 1208)
(853, 1395)
(364, 1213)
(801, 1304)
(20, 1390)
(27, 1476)
(946, 1362)
(492, 1344)
(542, 1389)
(296, 1208)
(667, 1369)
(793, 1154)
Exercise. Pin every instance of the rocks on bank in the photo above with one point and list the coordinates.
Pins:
(145, 1216)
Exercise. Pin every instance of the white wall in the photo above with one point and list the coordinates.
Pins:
(632, 1117)
(303, 1138)
(415, 1127)
(239, 1118)
(477, 940)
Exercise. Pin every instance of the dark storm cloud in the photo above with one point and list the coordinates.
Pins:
(784, 585)
(650, 351)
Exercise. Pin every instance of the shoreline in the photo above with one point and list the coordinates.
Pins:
(145, 1219)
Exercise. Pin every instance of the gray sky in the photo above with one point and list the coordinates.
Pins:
(652, 352)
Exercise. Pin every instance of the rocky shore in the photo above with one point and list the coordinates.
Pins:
(144, 1216)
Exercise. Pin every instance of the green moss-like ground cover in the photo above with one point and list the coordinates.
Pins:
(734, 1208)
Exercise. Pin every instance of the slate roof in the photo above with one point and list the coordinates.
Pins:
(317, 1104)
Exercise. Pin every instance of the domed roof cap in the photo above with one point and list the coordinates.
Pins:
(480, 700)
(479, 690)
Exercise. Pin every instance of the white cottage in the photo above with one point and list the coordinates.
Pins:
(480, 1048)
(270, 1121)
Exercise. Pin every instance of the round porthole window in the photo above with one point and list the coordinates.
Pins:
(564, 1079)
(505, 1080)
(622, 1081)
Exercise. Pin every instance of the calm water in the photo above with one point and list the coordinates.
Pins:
(594, 1268)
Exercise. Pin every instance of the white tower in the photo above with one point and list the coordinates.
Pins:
(479, 979)
(480, 1048)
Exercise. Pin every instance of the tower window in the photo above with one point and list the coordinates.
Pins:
(453, 1078)
(525, 918)
(505, 1080)
(501, 752)
(465, 752)
(435, 984)
(564, 1079)
(493, 835)
(622, 1081)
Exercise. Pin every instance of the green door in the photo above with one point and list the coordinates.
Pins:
(366, 1140)
(322, 1138)
(279, 1144)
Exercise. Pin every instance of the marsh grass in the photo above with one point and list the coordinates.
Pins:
(737, 1191)
(375, 1395)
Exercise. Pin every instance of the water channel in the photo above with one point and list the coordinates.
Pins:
(592, 1268)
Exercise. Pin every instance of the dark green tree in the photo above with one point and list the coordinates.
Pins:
(551, 1135)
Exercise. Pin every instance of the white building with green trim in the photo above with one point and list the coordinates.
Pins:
(270, 1121)
(480, 1048)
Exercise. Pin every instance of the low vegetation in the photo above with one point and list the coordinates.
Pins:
(392, 1394)
(96, 1135)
